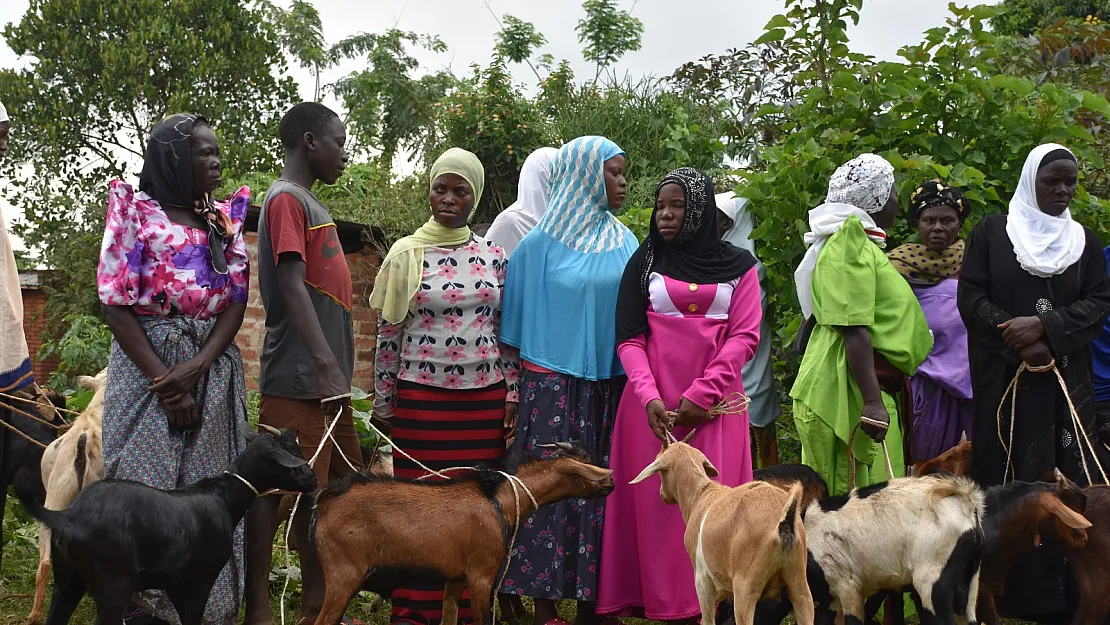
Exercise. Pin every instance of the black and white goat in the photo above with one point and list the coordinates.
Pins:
(119, 537)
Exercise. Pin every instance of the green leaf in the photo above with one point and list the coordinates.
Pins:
(1020, 86)
(775, 34)
(778, 21)
(1096, 102)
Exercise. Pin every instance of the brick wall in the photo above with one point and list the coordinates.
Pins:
(33, 301)
(363, 271)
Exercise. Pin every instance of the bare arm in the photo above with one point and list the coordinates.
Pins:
(861, 361)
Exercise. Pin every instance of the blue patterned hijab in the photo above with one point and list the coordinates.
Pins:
(560, 301)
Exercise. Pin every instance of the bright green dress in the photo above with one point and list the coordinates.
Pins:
(854, 284)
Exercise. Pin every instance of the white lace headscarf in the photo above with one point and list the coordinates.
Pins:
(860, 187)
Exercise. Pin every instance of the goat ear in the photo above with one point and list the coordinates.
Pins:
(710, 470)
(590, 472)
(648, 471)
(289, 461)
(247, 431)
(1069, 517)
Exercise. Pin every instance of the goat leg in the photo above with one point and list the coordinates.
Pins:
(42, 576)
(802, 600)
(744, 600)
(481, 596)
(69, 588)
(452, 593)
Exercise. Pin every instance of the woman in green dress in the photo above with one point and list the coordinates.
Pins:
(868, 330)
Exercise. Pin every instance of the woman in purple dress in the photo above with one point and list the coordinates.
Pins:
(942, 407)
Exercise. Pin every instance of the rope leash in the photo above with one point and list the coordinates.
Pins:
(30, 416)
(1011, 391)
(734, 403)
(852, 457)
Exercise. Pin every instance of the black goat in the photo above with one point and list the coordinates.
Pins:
(20, 457)
(119, 536)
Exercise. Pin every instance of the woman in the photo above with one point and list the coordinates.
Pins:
(531, 201)
(737, 223)
(942, 407)
(1034, 290)
(173, 279)
(868, 331)
(684, 286)
(439, 296)
(560, 307)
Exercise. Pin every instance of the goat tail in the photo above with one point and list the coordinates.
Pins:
(81, 460)
(27, 493)
(962, 488)
(788, 536)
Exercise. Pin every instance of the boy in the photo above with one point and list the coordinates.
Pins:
(308, 356)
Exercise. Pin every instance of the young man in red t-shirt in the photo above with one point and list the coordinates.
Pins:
(308, 357)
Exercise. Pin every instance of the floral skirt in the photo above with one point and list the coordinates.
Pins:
(558, 548)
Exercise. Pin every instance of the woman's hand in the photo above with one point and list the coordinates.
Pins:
(1036, 355)
(180, 379)
(875, 411)
(657, 419)
(1021, 332)
(690, 415)
(511, 409)
(181, 412)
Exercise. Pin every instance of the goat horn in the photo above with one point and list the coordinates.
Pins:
(269, 429)
(689, 436)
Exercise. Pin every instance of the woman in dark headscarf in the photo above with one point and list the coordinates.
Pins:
(173, 283)
(688, 316)
(942, 407)
(1034, 290)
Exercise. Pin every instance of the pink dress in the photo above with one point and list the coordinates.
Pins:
(699, 338)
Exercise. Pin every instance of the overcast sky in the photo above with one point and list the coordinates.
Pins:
(674, 31)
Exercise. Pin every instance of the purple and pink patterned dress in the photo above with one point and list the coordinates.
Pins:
(163, 271)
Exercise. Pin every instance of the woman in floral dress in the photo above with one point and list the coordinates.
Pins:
(441, 378)
(173, 282)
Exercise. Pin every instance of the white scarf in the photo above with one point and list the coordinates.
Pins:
(825, 221)
(1044, 245)
(531, 201)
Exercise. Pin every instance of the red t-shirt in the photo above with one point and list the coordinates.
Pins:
(326, 267)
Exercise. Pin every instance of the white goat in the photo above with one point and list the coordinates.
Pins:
(69, 464)
(922, 533)
(746, 542)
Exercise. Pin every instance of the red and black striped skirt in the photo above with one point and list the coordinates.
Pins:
(443, 428)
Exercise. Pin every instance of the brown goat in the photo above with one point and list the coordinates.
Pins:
(1017, 515)
(371, 531)
(746, 542)
(956, 461)
(1092, 563)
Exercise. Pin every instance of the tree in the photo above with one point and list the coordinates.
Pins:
(103, 73)
(1026, 17)
(518, 40)
(302, 35)
(608, 33)
(386, 106)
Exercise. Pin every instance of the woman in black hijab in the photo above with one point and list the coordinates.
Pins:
(688, 315)
(172, 279)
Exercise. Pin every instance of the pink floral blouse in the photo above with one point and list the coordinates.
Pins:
(159, 267)
(450, 337)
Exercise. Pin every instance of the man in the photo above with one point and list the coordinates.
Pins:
(308, 356)
(15, 362)
(736, 224)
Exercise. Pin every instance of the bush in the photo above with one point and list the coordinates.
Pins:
(82, 350)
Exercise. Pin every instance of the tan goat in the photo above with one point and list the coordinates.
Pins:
(69, 464)
(746, 542)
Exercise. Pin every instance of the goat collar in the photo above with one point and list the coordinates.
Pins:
(244, 481)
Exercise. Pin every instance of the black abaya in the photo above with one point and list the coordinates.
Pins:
(1072, 307)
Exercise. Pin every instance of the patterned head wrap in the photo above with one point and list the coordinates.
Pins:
(577, 208)
(936, 193)
(864, 182)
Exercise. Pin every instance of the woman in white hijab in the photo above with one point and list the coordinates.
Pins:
(1034, 290)
(737, 224)
(531, 201)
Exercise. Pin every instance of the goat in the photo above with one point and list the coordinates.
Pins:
(1017, 515)
(19, 457)
(372, 532)
(1092, 563)
(70, 463)
(956, 461)
(747, 542)
(119, 536)
(921, 534)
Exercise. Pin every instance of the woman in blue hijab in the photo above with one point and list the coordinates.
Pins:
(559, 309)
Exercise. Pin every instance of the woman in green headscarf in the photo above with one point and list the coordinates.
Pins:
(438, 297)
